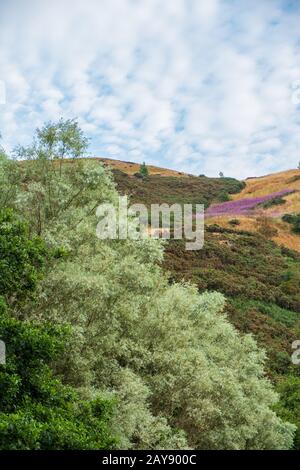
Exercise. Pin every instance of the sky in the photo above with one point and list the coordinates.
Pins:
(201, 86)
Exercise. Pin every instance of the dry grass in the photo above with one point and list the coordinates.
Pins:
(263, 186)
(130, 168)
(285, 237)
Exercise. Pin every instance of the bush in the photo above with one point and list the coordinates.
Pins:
(289, 218)
(36, 410)
(234, 222)
(21, 257)
(289, 405)
(276, 201)
(294, 220)
(223, 197)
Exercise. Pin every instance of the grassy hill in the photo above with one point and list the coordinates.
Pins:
(171, 189)
(130, 168)
(259, 278)
(264, 186)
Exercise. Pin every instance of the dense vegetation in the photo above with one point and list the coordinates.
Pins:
(259, 279)
(138, 361)
(276, 201)
(294, 220)
(157, 189)
(36, 410)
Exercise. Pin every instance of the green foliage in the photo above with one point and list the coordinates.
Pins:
(232, 185)
(9, 180)
(187, 377)
(289, 218)
(36, 410)
(56, 141)
(181, 373)
(289, 405)
(223, 197)
(296, 226)
(294, 220)
(261, 281)
(21, 257)
(144, 170)
(276, 201)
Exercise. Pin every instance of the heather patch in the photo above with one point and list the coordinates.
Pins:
(243, 206)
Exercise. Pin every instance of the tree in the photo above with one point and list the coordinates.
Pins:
(144, 170)
(9, 179)
(221, 174)
(21, 258)
(56, 141)
(51, 187)
(37, 411)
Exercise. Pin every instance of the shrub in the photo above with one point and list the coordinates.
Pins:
(36, 410)
(144, 170)
(289, 218)
(234, 222)
(276, 201)
(223, 197)
(21, 257)
(294, 220)
(289, 405)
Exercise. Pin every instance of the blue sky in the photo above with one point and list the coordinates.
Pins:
(197, 85)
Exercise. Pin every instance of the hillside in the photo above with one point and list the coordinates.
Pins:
(171, 189)
(287, 185)
(260, 281)
(106, 338)
(130, 168)
(164, 350)
(259, 278)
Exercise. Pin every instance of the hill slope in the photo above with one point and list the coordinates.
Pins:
(170, 189)
(285, 183)
(130, 168)
(260, 279)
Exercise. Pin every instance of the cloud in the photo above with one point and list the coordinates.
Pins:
(198, 86)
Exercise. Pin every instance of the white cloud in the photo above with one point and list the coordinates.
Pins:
(203, 86)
